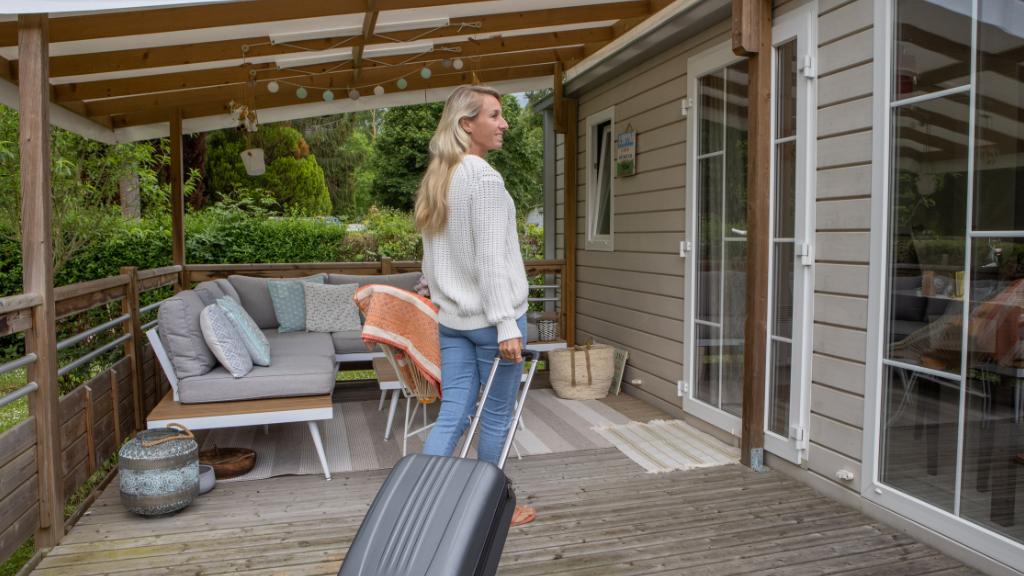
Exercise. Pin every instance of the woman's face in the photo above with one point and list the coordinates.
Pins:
(487, 129)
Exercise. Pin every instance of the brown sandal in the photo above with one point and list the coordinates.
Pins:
(523, 515)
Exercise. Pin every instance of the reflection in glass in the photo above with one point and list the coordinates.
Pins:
(919, 435)
(782, 290)
(706, 364)
(927, 226)
(999, 143)
(734, 316)
(785, 189)
(933, 46)
(992, 491)
(712, 105)
(785, 91)
(709, 235)
(735, 205)
(604, 180)
(778, 387)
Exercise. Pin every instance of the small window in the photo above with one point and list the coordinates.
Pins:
(600, 194)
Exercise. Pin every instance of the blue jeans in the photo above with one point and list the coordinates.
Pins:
(466, 360)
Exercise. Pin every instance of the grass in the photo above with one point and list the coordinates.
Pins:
(20, 557)
(16, 411)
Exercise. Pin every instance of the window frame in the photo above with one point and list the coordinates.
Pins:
(595, 241)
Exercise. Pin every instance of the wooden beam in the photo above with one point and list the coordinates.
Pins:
(369, 24)
(571, 151)
(266, 72)
(37, 266)
(177, 193)
(133, 59)
(755, 347)
(558, 98)
(415, 83)
(155, 21)
(745, 29)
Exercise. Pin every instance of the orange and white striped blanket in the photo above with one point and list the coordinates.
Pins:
(406, 321)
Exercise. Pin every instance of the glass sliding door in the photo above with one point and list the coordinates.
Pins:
(718, 229)
(952, 405)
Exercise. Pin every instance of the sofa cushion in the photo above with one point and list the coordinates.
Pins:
(330, 308)
(405, 280)
(224, 341)
(287, 376)
(255, 342)
(289, 299)
(255, 298)
(349, 342)
(182, 337)
(209, 292)
(299, 344)
(228, 289)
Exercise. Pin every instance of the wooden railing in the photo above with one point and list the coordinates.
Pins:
(100, 413)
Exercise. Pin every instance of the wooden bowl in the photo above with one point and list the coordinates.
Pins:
(228, 462)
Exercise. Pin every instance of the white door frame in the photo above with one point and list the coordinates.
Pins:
(715, 58)
(800, 24)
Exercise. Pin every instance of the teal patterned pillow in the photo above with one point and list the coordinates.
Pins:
(289, 300)
(253, 338)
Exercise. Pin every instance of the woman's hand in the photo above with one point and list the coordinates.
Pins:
(511, 349)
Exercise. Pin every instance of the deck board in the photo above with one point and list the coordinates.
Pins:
(599, 513)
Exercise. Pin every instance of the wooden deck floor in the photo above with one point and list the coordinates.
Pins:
(599, 514)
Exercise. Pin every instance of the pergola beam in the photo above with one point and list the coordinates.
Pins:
(140, 58)
(495, 74)
(266, 72)
(216, 99)
(37, 266)
(369, 24)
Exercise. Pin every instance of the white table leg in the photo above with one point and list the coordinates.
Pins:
(380, 405)
(314, 431)
(391, 414)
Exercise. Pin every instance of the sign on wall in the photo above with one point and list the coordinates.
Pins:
(625, 153)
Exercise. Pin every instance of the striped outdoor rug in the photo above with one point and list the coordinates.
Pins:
(665, 445)
(354, 439)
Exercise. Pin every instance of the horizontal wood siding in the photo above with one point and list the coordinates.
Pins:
(842, 237)
(633, 297)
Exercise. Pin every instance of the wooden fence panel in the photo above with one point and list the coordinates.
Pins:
(19, 487)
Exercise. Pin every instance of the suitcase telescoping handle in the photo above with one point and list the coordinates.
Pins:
(532, 358)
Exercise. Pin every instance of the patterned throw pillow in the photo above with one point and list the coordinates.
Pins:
(225, 342)
(289, 300)
(253, 338)
(330, 308)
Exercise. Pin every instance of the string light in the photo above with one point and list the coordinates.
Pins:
(301, 93)
(425, 73)
(458, 64)
(353, 94)
(273, 87)
(378, 90)
(402, 83)
(328, 95)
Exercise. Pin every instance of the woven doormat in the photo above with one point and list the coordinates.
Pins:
(666, 445)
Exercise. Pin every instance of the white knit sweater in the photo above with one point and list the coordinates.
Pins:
(474, 266)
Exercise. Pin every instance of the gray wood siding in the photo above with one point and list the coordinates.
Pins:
(842, 239)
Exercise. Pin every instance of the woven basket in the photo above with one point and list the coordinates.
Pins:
(582, 372)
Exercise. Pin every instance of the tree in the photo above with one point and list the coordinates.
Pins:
(402, 153)
(343, 146)
(521, 158)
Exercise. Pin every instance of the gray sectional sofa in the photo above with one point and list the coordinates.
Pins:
(302, 363)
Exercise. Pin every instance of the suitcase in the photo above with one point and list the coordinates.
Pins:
(439, 515)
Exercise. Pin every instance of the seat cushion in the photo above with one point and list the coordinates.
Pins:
(405, 280)
(299, 344)
(255, 298)
(255, 342)
(182, 337)
(224, 341)
(287, 376)
(330, 308)
(348, 342)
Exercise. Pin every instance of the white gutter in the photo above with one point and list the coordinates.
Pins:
(314, 109)
(60, 116)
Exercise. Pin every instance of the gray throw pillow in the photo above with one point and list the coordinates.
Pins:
(224, 341)
(289, 300)
(330, 308)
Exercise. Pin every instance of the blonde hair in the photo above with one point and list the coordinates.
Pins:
(447, 147)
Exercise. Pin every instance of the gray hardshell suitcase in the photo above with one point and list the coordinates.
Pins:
(438, 515)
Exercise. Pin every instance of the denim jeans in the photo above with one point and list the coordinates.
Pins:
(466, 360)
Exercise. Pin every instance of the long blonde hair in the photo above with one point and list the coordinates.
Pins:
(447, 147)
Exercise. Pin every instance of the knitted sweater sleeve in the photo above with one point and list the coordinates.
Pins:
(490, 222)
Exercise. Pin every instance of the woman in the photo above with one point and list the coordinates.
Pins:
(472, 263)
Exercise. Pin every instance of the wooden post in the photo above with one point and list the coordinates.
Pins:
(756, 25)
(571, 150)
(386, 266)
(115, 399)
(135, 345)
(37, 263)
(178, 200)
(558, 100)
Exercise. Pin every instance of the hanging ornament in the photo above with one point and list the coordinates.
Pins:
(273, 87)
(476, 81)
(457, 64)
(301, 93)
(425, 73)
(353, 94)
(328, 95)
(378, 90)
(402, 83)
